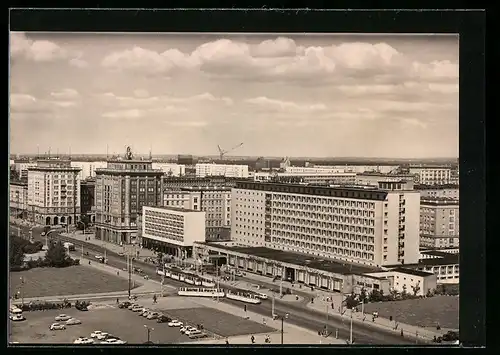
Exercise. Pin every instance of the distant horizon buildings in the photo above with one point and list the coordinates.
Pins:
(212, 169)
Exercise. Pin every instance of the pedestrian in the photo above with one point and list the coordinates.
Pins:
(117, 301)
(333, 306)
(118, 273)
(252, 339)
(89, 262)
(402, 332)
(227, 342)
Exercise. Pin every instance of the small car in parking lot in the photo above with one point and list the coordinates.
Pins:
(113, 341)
(102, 336)
(95, 333)
(83, 340)
(73, 321)
(163, 319)
(125, 304)
(198, 335)
(62, 317)
(152, 315)
(17, 317)
(57, 326)
(175, 323)
(137, 308)
(192, 330)
(145, 312)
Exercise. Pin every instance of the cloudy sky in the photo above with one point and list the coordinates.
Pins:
(282, 95)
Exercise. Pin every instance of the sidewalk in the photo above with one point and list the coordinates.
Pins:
(323, 300)
(292, 334)
(90, 238)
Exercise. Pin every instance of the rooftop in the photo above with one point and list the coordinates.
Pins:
(438, 201)
(300, 259)
(412, 272)
(172, 208)
(436, 187)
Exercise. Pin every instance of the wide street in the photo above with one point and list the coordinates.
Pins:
(298, 313)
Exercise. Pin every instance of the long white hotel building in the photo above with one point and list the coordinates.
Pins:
(227, 170)
(374, 227)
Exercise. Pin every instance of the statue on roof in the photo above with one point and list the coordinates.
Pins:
(128, 154)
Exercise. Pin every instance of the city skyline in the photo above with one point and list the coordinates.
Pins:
(282, 95)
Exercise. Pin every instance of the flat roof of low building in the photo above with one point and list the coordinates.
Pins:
(412, 272)
(300, 259)
(436, 187)
(446, 259)
(172, 208)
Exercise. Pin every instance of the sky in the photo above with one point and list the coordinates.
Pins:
(393, 96)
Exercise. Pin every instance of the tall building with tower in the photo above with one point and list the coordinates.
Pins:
(54, 192)
(121, 190)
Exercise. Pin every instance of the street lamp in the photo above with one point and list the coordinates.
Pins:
(149, 330)
(282, 317)
(22, 290)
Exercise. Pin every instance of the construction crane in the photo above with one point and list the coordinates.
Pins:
(222, 152)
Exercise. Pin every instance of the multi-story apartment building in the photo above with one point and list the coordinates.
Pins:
(172, 230)
(374, 178)
(306, 178)
(88, 168)
(374, 227)
(236, 171)
(122, 189)
(171, 169)
(54, 192)
(22, 166)
(178, 182)
(18, 198)
(439, 222)
(431, 175)
(214, 200)
(438, 191)
(87, 198)
(313, 170)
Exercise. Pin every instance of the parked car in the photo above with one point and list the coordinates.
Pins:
(132, 305)
(57, 326)
(175, 323)
(62, 317)
(17, 317)
(192, 331)
(95, 333)
(163, 319)
(262, 296)
(198, 335)
(102, 336)
(152, 315)
(73, 321)
(83, 340)
(450, 336)
(137, 308)
(125, 304)
(145, 312)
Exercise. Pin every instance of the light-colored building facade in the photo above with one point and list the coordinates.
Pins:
(313, 170)
(171, 169)
(431, 175)
(18, 198)
(22, 166)
(88, 168)
(121, 191)
(370, 227)
(214, 200)
(373, 179)
(439, 222)
(54, 192)
(414, 282)
(306, 178)
(236, 171)
(172, 230)
(438, 191)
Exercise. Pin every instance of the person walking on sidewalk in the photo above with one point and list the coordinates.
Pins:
(252, 339)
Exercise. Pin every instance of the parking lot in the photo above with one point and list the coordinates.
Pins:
(218, 322)
(426, 312)
(125, 324)
(73, 280)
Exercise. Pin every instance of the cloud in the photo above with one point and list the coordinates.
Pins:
(79, 63)
(273, 104)
(283, 59)
(27, 104)
(123, 114)
(40, 50)
(65, 94)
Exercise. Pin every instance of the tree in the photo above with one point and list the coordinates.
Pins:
(376, 296)
(362, 295)
(404, 294)
(160, 258)
(16, 252)
(84, 222)
(56, 255)
(416, 288)
(351, 301)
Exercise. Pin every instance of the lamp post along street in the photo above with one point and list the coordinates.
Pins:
(326, 324)
(282, 321)
(82, 251)
(350, 332)
(272, 306)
